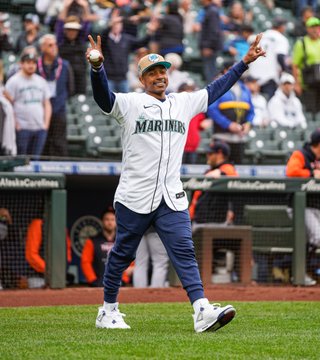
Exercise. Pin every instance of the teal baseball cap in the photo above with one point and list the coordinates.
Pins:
(151, 60)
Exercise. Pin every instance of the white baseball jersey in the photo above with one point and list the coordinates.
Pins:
(267, 68)
(153, 138)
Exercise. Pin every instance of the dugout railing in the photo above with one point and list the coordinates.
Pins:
(273, 214)
(28, 197)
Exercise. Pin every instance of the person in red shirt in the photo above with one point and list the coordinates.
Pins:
(198, 123)
(96, 250)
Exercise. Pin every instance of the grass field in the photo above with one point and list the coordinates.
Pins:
(261, 330)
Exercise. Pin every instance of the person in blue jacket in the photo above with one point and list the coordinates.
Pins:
(232, 114)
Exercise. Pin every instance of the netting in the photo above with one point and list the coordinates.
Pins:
(248, 237)
(17, 270)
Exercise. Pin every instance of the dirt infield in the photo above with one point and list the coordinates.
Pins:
(88, 296)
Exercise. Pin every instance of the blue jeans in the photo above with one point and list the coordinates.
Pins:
(209, 67)
(120, 86)
(174, 229)
(30, 142)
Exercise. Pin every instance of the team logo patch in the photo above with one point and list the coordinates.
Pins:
(180, 195)
(153, 58)
(85, 227)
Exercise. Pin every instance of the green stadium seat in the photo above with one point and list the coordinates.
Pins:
(72, 119)
(282, 134)
(73, 129)
(110, 148)
(261, 133)
(272, 233)
(291, 145)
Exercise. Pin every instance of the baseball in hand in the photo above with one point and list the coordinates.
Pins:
(94, 55)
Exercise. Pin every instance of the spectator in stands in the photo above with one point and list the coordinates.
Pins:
(72, 40)
(34, 251)
(116, 48)
(169, 35)
(307, 52)
(30, 95)
(269, 4)
(232, 115)
(5, 221)
(151, 251)
(300, 28)
(239, 46)
(5, 41)
(175, 75)
(78, 8)
(198, 123)
(15, 67)
(188, 15)
(59, 76)
(7, 122)
(31, 33)
(261, 115)
(267, 68)
(211, 38)
(133, 74)
(301, 4)
(96, 250)
(305, 163)
(284, 107)
(208, 206)
(237, 17)
(49, 10)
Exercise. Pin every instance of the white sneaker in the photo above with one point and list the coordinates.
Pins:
(308, 281)
(212, 317)
(111, 319)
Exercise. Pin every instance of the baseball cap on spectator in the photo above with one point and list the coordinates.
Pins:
(4, 17)
(33, 18)
(278, 21)
(219, 146)
(315, 137)
(250, 78)
(72, 23)
(247, 27)
(26, 57)
(313, 21)
(151, 60)
(287, 78)
(174, 59)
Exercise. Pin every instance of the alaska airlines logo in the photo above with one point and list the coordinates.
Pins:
(145, 125)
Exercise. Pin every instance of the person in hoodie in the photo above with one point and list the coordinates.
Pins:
(284, 107)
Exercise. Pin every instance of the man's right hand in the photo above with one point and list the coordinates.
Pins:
(95, 46)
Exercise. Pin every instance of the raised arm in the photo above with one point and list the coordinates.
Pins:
(221, 85)
(99, 81)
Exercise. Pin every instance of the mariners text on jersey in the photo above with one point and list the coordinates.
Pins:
(148, 125)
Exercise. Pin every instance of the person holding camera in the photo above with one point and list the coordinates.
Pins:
(306, 56)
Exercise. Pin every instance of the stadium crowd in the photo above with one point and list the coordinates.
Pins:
(201, 41)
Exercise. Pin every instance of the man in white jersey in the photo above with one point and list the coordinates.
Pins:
(268, 69)
(154, 129)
